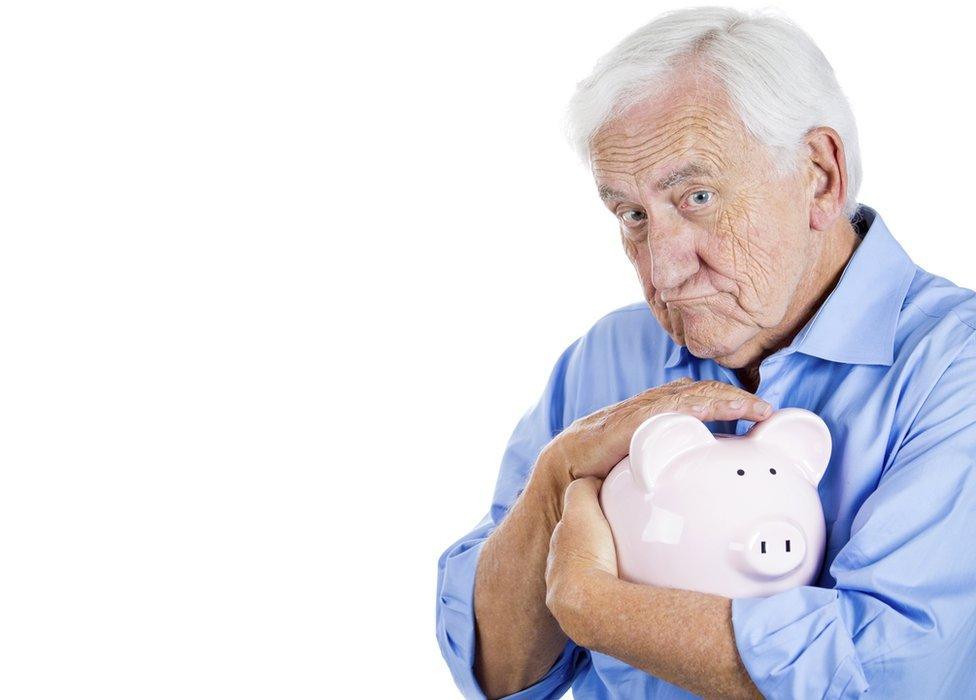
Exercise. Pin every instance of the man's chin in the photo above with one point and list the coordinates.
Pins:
(695, 327)
(726, 350)
(705, 352)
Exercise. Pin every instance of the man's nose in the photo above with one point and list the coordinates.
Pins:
(672, 251)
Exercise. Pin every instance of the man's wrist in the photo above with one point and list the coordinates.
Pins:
(548, 483)
(582, 621)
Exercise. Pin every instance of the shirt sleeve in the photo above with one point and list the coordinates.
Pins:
(901, 611)
(456, 566)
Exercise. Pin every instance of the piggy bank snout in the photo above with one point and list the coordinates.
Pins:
(775, 548)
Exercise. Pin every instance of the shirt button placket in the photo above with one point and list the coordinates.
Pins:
(771, 394)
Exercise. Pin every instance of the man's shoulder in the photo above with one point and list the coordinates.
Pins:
(621, 354)
(625, 333)
(936, 306)
(626, 319)
(936, 331)
(939, 299)
(628, 337)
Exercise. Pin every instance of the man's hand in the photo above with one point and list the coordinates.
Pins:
(580, 550)
(592, 445)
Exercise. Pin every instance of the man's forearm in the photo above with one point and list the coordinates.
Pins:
(518, 639)
(683, 637)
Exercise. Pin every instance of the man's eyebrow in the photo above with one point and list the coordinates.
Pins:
(607, 193)
(675, 177)
(681, 174)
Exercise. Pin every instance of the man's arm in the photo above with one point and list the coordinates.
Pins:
(516, 650)
(683, 637)
(518, 527)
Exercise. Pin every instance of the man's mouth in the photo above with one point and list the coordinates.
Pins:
(689, 299)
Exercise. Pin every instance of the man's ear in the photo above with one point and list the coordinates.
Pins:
(659, 440)
(828, 164)
(800, 435)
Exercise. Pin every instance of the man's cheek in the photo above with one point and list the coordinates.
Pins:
(747, 262)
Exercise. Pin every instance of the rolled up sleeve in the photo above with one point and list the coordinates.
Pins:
(457, 566)
(899, 621)
(796, 644)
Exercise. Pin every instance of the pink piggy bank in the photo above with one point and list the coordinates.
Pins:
(738, 516)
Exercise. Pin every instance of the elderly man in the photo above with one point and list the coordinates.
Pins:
(725, 149)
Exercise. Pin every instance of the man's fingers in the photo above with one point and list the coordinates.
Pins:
(601, 439)
(732, 407)
(684, 393)
(717, 390)
(705, 400)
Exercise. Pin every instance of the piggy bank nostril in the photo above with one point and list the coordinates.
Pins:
(761, 554)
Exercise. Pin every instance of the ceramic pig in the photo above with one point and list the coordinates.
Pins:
(738, 516)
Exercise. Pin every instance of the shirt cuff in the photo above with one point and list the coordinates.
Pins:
(795, 644)
(456, 631)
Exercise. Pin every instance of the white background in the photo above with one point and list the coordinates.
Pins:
(278, 279)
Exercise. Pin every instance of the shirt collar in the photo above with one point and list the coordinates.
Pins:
(857, 322)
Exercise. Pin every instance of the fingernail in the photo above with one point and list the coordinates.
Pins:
(736, 403)
(698, 408)
(763, 407)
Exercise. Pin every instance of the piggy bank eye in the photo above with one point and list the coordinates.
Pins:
(740, 472)
(772, 471)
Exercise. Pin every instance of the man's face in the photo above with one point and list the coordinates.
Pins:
(720, 245)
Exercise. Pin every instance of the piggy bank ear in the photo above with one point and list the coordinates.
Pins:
(659, 440)
(800, 434)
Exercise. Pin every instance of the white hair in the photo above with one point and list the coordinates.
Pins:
(779, 83)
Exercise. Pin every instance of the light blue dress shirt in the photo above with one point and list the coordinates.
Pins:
(889, 363)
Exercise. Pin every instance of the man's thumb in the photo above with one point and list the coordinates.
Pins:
(583, 496)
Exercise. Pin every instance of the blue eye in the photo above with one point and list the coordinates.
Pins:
(632, 216)
(700, 197)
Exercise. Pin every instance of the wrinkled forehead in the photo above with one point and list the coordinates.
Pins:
(653, 136)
